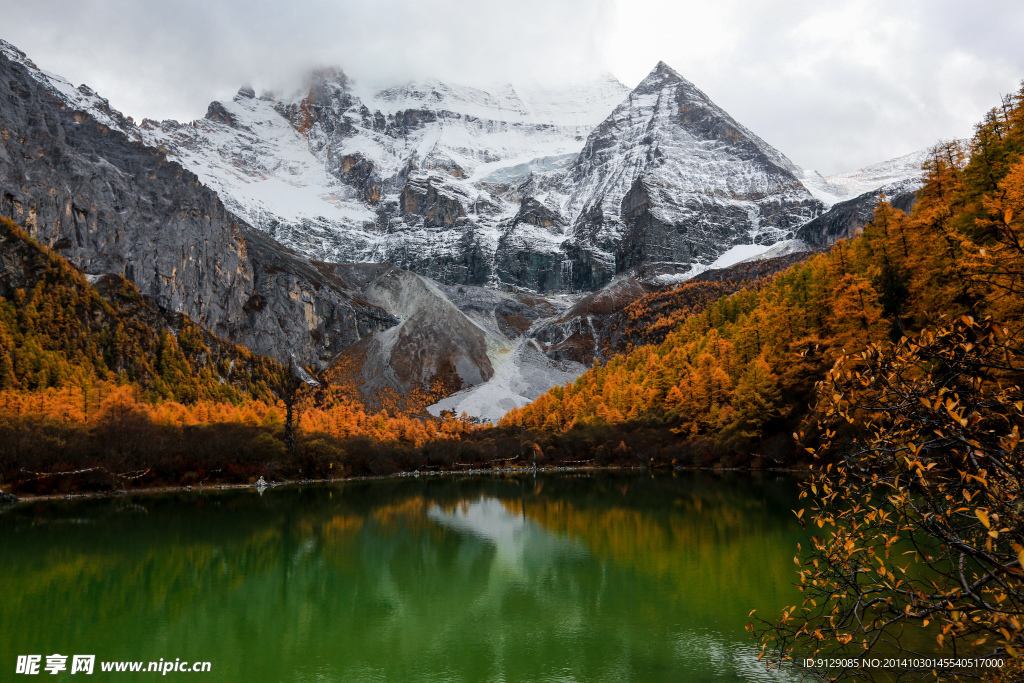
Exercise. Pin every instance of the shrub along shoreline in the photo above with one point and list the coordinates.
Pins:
(129, 451)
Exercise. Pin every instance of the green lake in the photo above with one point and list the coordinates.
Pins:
(578, 576)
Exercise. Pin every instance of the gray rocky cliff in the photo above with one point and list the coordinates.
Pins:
(111, 204)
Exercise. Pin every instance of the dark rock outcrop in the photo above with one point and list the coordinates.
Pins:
(533, 212)
(844, 219)
(438, 208)
(358, 172)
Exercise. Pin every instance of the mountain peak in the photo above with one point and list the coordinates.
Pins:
(662, 73)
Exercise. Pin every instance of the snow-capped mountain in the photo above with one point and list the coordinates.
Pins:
(669, 177)
(420, 175)
(554, 190)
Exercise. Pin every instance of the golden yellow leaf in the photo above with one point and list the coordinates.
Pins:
(983, 516)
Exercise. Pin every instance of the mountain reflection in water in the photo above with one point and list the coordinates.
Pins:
(520, 544)
(615, 576)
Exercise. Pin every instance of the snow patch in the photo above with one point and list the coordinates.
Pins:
(741, 253)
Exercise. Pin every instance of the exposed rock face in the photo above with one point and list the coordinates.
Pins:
(534, 213)
(581, 332)
(528, 253)
(437, 207)
(302, 306)
(843, 220)
(111, 204)
(358, 172)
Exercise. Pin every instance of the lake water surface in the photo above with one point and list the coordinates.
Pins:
(586, 576)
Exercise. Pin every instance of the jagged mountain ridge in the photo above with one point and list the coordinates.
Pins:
(423, 179)
(496, 188)
(508, 187)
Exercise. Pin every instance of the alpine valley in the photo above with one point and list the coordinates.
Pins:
(452, 289)
(476, 246)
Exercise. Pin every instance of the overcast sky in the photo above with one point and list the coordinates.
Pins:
(833, 85)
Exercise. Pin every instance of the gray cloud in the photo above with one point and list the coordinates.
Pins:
(838, 85)
(833, 85)
(169, 59)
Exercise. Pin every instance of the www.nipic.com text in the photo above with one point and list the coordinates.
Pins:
(86, 664)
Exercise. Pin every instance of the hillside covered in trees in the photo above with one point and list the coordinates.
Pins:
(98, 380)
(58, 330)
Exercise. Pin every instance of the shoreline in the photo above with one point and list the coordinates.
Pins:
(397, 475)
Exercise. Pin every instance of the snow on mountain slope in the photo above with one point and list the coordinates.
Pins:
(741, 253)
(872, 177)
(671, 177)
(265, 172)
(840, 187)
(668, 126)
(419, 175)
